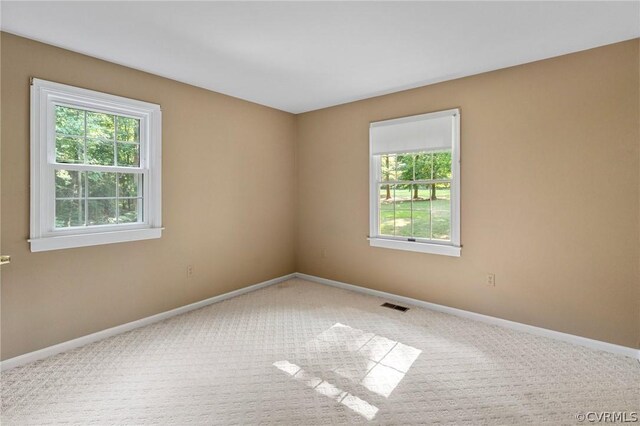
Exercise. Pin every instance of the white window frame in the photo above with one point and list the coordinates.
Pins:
(447, 248)
(45, 95)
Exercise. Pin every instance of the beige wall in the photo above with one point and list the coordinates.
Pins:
(550, 195)
(550, 199)
(228, 205)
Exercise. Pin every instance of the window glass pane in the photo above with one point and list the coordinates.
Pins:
(441, 212)
(100, 125)
(128, 154)
(102, 212)
(387, 209)
(403, 194)
(130, 210)
(442, 165)
(415, 210)
(441, 226)
(128, 129)
(403, 201)
(69, 213)
(441, 196)
(423, 164)
(388, 167)
(130, 184)
(99, 152)
(405, 166)
(69, 121)
(422, 211)
(101, 184)
(403, 223)
(69, 149)
(69, 184)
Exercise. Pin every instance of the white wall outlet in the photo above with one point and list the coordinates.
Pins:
(189, 271)
(323, 253)
(491, 279)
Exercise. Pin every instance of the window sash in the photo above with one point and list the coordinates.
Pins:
(413, 237)
(85, 198)
(143, 136)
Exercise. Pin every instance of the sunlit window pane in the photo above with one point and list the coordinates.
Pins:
(422, 211)
(128, 129)
(387, 209)
(423, 165)
(100, 126)
(130, 184)
(405, 166)
(69, 213)
(69, 149)
(388, 166)
(442, 165)
(69, 121)
(101, 184)
(441, 212)
(101, 212)
(99, 152)
(403, 213)
(128, 210)
(69, 184)
(128, 154)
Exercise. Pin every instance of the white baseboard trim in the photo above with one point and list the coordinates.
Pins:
(565, 337)
(94, 337)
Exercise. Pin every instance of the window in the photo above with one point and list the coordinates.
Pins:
(95, 168)
(415, 183)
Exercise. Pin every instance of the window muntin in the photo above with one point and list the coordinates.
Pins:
(415, 183)
(95, 168)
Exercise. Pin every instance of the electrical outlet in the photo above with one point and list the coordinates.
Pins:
(491, 279)
(189, 271)
(323, 253)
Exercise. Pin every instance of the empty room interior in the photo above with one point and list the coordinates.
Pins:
(311, 213)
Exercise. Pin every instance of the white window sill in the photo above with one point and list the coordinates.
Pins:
(93, 239)
(443, 249)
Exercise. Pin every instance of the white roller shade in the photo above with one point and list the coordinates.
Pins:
(425, 132)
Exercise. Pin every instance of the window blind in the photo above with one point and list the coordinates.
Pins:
(425, 132)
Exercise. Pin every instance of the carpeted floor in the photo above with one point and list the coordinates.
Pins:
(302, 353)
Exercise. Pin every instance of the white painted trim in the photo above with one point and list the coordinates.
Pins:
(94, 337)
(417, 246)
(413, 118)
(43, 234)
(98, 238)
(557, 335)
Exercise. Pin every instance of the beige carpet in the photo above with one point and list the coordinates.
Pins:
(302, 353)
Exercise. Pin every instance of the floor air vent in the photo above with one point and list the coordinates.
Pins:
(396, 307)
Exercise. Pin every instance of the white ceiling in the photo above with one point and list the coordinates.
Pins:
(301, 56)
